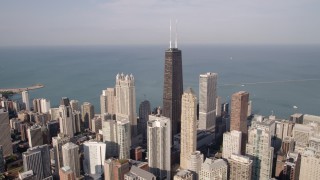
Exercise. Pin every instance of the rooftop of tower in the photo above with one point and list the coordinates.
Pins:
(189, 90)
(173, 50)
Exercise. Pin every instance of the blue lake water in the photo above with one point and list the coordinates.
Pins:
(83, 72)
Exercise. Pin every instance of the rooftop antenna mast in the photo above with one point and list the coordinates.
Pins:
(176, 40)
(170, 36)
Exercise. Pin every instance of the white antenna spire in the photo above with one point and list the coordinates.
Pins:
(170, 34)
(176, 40)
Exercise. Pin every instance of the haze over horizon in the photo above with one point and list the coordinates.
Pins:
(122, 22)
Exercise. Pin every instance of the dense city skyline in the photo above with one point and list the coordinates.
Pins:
(193, 135)
(37, 23)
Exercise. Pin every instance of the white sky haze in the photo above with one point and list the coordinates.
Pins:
(105, 22)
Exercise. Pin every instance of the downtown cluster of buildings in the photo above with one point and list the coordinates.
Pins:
(190, 137)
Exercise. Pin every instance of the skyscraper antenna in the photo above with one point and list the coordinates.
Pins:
(170, 36)
(176, 40)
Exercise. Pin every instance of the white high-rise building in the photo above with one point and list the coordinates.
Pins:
(123, 138)
(57, 143)
(159, 146)
(94, 156)
(103, 103)
(35, 136)
(66, 121)
(70, 153)
(231, 143)
(41, 105)
(310, 160)
(301, 135)
(45, 105)
(5, 135)
(126, 100)
(260, 151)
(214, 169)
(195, 162)
(109, 132)
(207, 101)
(240, 167)
(25, 99)
(188, 127)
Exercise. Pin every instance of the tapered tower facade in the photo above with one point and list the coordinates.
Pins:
(126, 100)
(173, 87)
(189, 126)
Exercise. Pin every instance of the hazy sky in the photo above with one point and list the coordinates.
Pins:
(86, 22)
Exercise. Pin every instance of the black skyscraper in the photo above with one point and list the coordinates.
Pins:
(173, 88)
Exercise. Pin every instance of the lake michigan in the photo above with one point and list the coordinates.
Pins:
(277, 77)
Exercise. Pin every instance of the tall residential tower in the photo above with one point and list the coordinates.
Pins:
(189, 126)
(126, 100)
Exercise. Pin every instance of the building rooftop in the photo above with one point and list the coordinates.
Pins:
(210, 164)
(302, 127)
(26, 174)
(70, 145)
(241, 158)
(184, 173)
(141, 173)
(66, 168)
(311, 118)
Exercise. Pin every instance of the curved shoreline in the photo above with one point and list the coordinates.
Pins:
(19, 90)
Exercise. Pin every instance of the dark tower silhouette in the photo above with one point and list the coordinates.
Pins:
(173, 88)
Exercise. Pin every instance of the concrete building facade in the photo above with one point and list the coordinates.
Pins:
(260, 151)
(159, 146)
(231, 143)
(94, 156)
(238, 119)
(240, 167)
(214, 169)
(35, 136)
(37, 159)
(207, 101)
(126, 100)
(71, 158)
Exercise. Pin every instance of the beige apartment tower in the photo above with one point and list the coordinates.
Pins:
(107, 102)
(310, 161)
(216, 169)
(240, 167)
(189, 126)
(126, 100)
